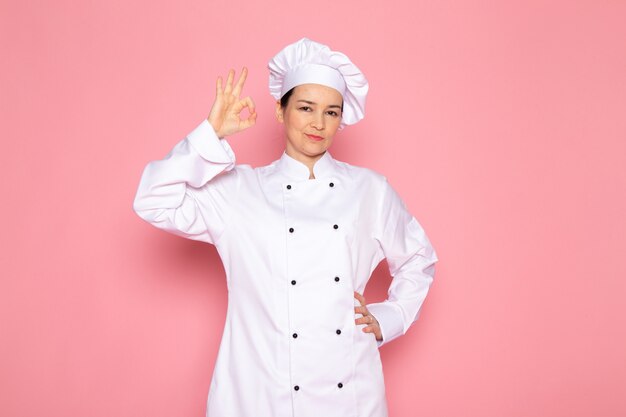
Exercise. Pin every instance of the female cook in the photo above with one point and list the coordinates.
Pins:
(299, 239)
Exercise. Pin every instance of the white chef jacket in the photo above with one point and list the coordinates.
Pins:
(294, 249)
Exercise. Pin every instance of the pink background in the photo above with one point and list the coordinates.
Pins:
(502, 125)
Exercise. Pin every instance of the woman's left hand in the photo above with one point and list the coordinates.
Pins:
(369, 319)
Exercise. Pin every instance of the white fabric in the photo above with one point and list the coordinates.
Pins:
(199, 192)
(309, 62)
(313, 74)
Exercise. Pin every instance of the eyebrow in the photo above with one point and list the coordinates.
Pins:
(312, 102)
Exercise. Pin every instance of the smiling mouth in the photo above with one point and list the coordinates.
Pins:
(314, 137)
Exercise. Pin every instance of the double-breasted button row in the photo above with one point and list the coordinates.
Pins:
(295, 335)
(293, 281)
(335, 226)
(297, 387)
(331, 185)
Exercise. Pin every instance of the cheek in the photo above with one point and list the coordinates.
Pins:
(294, 116)
(334, 126)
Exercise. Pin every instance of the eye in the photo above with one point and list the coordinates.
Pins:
(304, 108)
(332, 113)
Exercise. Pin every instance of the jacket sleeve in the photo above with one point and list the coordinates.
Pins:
(411, 259)
(186, 193)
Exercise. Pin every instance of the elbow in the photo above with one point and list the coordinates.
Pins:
(137, 210)
(140, 208)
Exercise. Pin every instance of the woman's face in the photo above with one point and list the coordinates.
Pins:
(311, 118)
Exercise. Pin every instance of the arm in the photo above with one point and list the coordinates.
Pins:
(184, 193)
(411, 259)
(178, 194)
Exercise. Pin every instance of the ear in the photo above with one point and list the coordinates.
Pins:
(279, 112)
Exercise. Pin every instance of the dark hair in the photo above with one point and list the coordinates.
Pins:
(284, 100)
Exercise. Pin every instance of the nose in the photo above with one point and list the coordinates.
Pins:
(318, 121)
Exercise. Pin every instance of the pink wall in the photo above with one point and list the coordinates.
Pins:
(502, 124)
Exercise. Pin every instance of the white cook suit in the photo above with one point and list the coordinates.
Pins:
(294, 250)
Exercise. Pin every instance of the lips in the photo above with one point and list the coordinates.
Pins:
(314, 137)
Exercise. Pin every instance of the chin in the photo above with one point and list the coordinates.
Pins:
(315, 149)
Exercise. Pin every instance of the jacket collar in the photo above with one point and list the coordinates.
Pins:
(324, 167)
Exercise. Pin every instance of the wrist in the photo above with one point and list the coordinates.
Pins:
(215, 128)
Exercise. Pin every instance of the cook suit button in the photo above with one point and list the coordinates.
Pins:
(296, 388)
(291, 230)
(295, 335)
(288, 187)
(293, 282)
(336, 279)
(340, 385)
(338, 331)
(331, 184)
(335, 227)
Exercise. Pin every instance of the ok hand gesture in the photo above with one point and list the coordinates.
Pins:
(225, 116)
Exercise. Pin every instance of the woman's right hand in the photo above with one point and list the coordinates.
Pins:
(225, 115)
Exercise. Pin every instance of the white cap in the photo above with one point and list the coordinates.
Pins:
(309, 62)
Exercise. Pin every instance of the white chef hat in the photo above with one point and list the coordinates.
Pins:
(309, 62)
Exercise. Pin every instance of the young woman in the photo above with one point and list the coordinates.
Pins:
(299, 239)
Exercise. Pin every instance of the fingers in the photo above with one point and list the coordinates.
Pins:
(238, 108)
(375, 330)
(250, 121)
(360, 298)
(366, 317)
(225, 114)
(218, 86)
(229, 90)
(244, 103)
(364, 320)
(247, 102)
(229, 82)
(240, 82)
(371, 324)
(361, 310)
